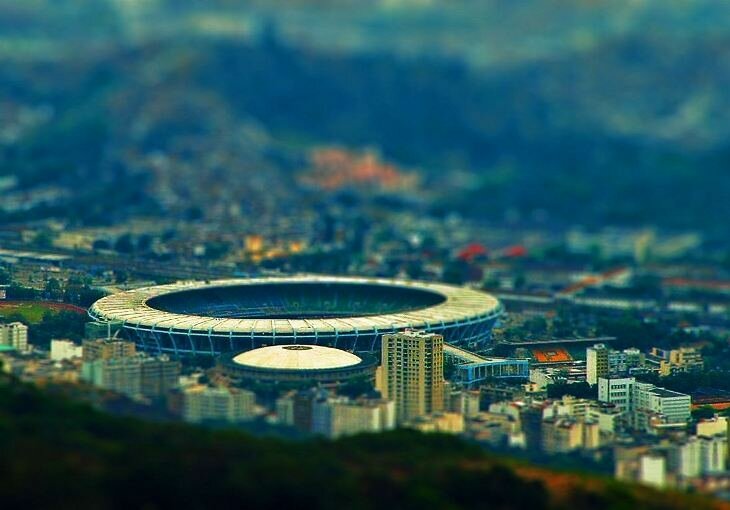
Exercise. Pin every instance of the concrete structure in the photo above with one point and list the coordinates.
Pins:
(299, 363)
(158, 376)
(596, 363)
(203, 403)
(716, 426)
(413, 373)
(678, 361)
(653, 470)
(136, 376)
(194, 318)
(472, 368)
(645, 406)
(107, 349)
(617, 391)
(446, 423)
(562, 435)
(340, 416)
(466, 402)
(671, 407)
(15, 336)
(65, 349)
(121, 375)
(602, 361)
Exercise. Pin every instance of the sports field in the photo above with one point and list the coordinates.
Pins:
(33, 311)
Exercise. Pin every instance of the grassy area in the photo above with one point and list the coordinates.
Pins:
(32, 313)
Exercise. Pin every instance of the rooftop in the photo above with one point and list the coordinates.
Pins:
(297, 357)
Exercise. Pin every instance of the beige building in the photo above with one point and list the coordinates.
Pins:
(158, 376)
(14, 335)
(466, 402)
(107, 349)
(560, 435)
(203, 403)
(65, 349)
(412, 373)
(596, 363)
(447, 423)
(682, 360)
(339, 416)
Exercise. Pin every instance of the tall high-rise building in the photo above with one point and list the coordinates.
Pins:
(14, 335)
(413, 373)
(596, 363)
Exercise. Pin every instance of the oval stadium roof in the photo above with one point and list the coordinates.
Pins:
(297, 357)
(460, 304)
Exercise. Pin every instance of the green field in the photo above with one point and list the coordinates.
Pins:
(31, 313)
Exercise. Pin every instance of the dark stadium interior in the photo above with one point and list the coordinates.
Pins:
(296, 300)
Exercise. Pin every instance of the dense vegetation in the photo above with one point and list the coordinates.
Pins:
(65, 455)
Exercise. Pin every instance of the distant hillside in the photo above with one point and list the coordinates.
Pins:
(64, 455)
(632, 128)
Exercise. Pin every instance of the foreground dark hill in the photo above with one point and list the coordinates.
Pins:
(64, 455)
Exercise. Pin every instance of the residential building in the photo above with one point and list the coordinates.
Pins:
(671, 407)
(107, 349)
(646, 406)
(602, 361)
(14, 335)
(65, 349)
(339, 416)
(653, 470)
(466, 402)
(616, 391)
(596, 363)
(158, 376)
(204, 403)
(121, 375)
(412, 373)
(447, 423)
(678, 361)
(561, 435)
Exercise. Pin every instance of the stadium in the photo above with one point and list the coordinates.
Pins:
(210, 318)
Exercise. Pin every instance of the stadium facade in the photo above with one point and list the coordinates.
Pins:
(210, 318)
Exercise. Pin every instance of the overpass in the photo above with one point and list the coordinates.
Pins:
(472, 368)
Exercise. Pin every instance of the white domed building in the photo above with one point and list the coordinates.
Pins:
(299, 363)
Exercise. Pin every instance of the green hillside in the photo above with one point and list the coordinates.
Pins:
(64, 455)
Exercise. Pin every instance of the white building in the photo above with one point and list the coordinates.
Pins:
(203, 403)
(65, 349)
(616, 391)
(645, 404)
(14, 335)
(713, 454)
(653, 470)
(121, 375)
(339, 416)
(672, 407)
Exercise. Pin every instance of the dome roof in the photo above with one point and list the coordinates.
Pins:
(297, 357)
